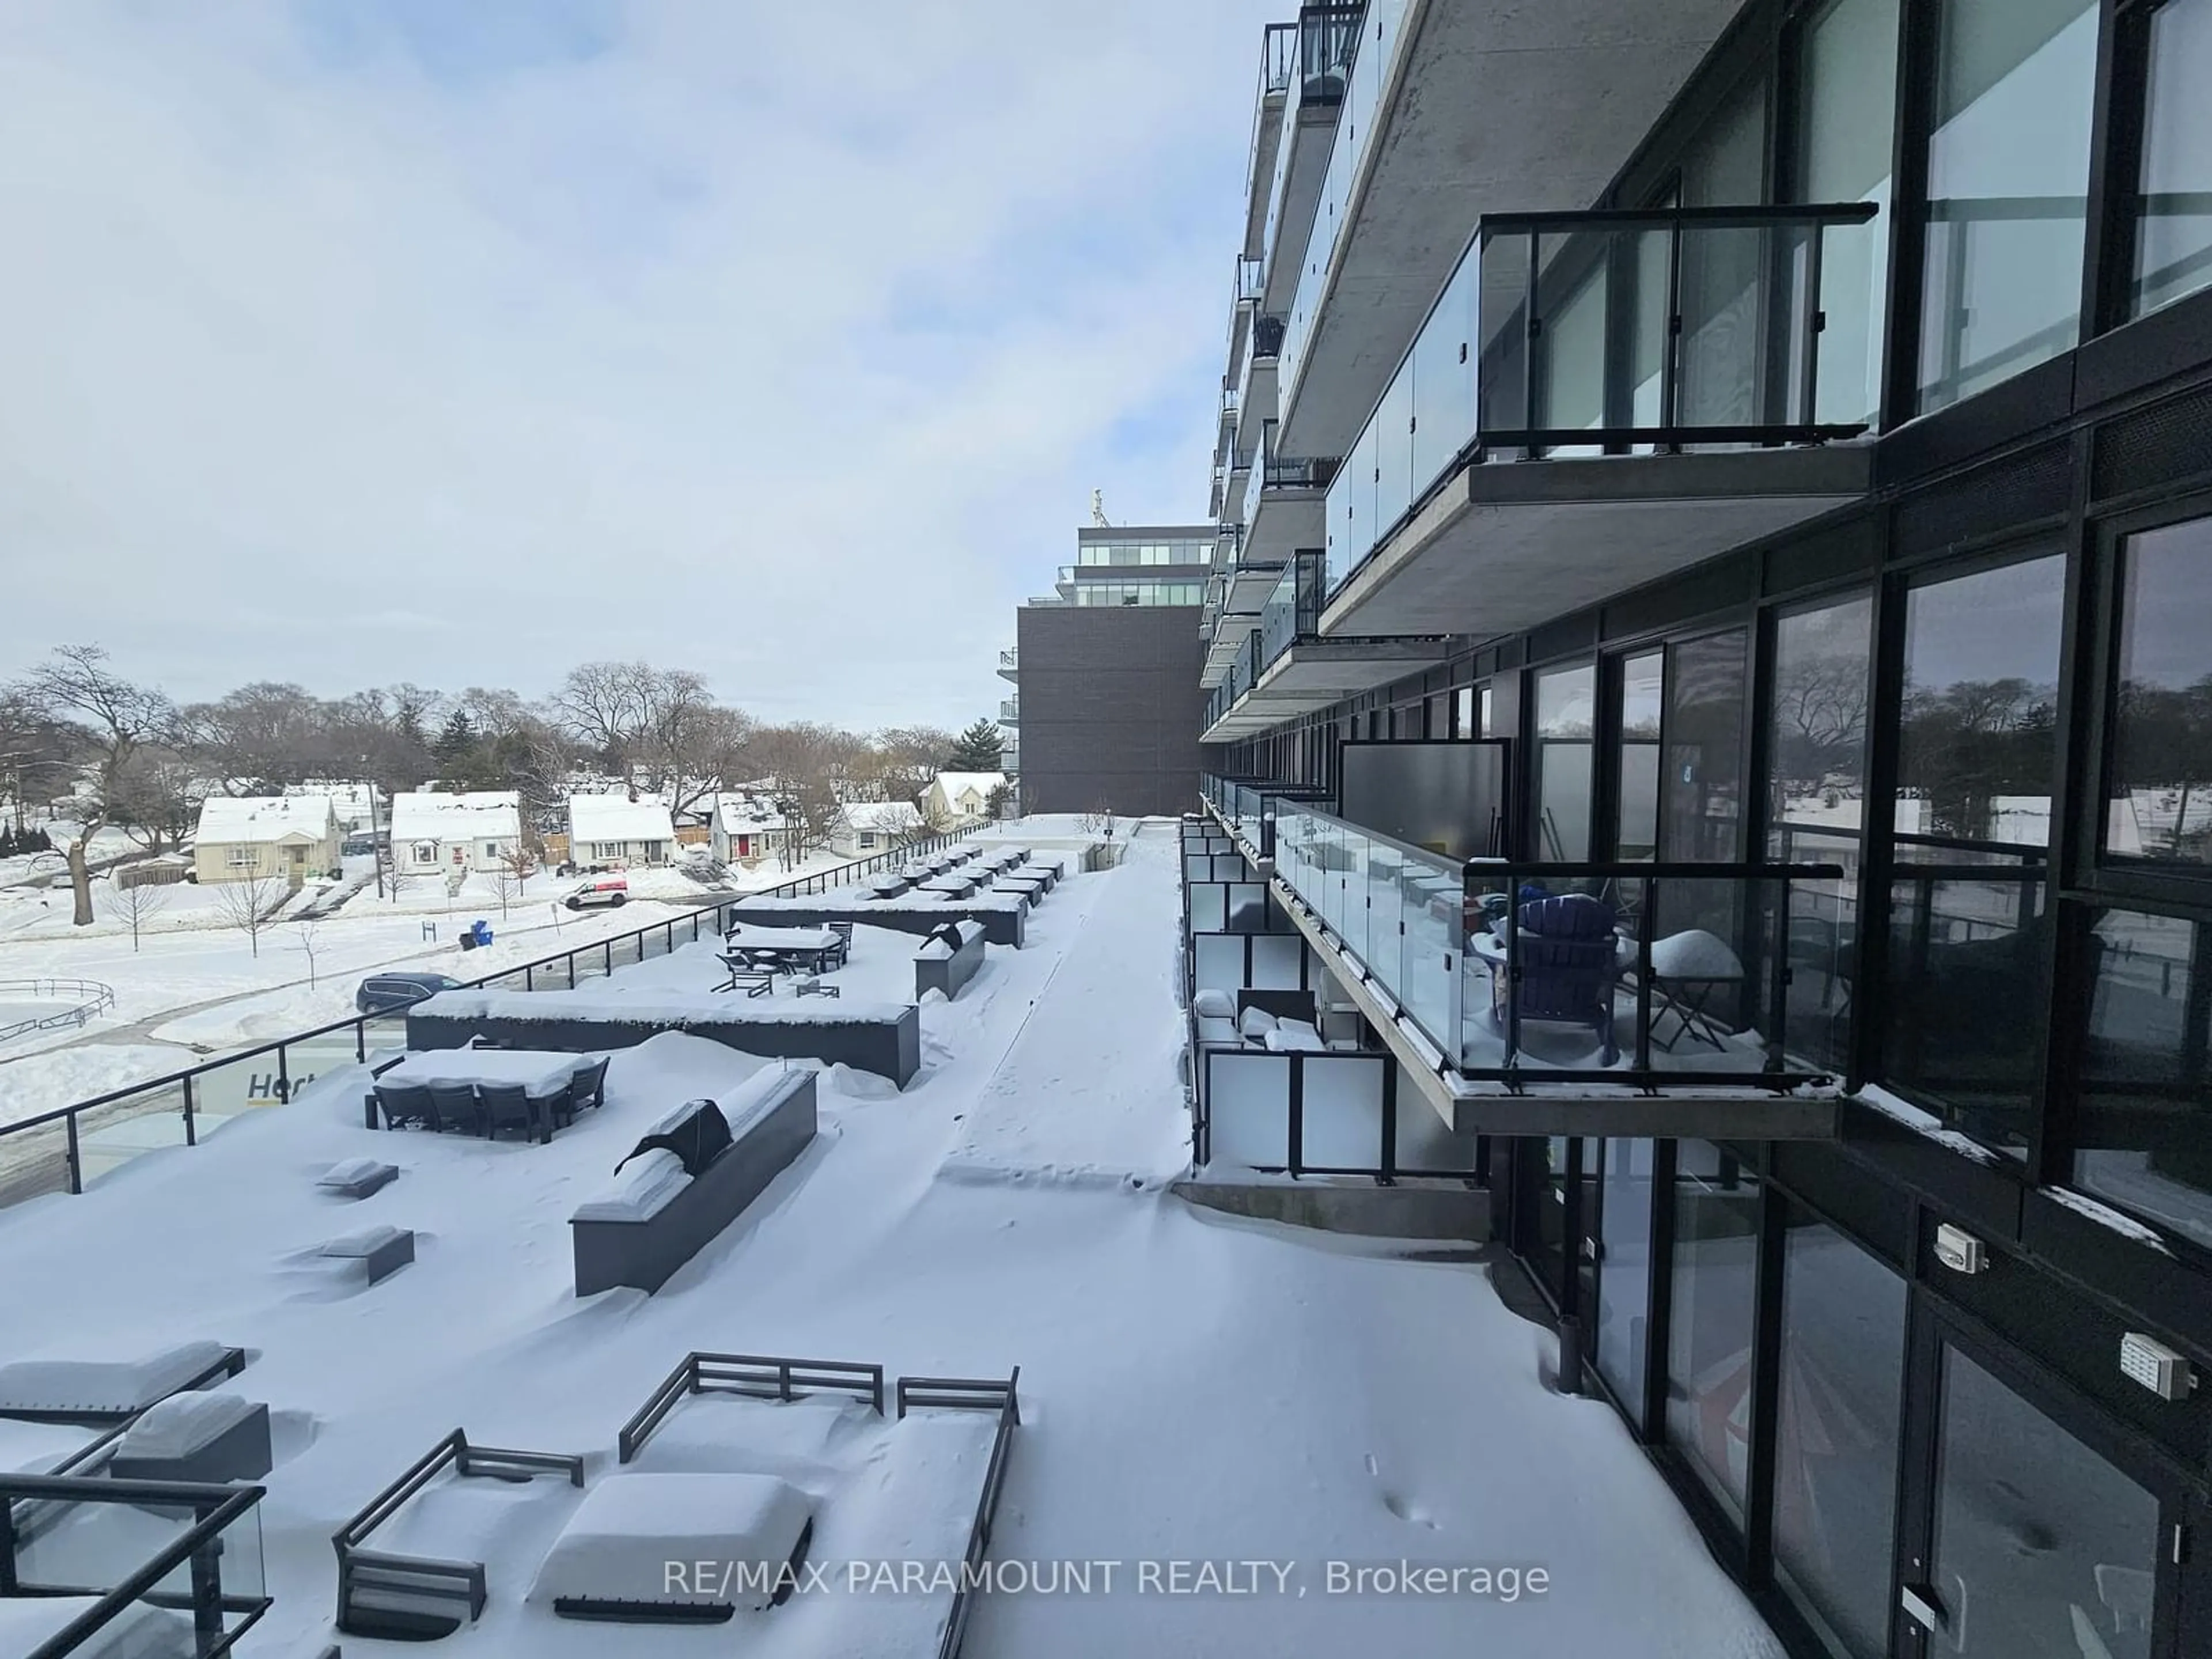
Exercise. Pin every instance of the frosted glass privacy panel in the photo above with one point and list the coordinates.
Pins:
(1341, 1111)
(1276, 958)
(1248, 1099)
(1219, 961)
(1209, 906)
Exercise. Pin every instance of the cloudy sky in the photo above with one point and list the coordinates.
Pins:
(359, 341)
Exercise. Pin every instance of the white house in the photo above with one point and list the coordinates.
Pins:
(431, 834)
(245, 837)
(350, 801)
(617, 831)
(748, 826)
(960, 800)
(874, 826)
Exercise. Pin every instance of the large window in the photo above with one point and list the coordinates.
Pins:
(1709, 1327)
(1719, 360)
(2160, 777)
(1975, 756)
(1704, 748)
(1566, 704)
(1847, 57)
(2008, 185)
(1643, 697)
(1816, 807)
(2144, 1099)
(2173, 212)
(1624, 1273)
(1836, 1435)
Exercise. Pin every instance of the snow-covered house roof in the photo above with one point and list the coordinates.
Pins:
(957, 784)
(479, 815)
(617, 818)
(882, 817)
(232, 819)
(746, 815)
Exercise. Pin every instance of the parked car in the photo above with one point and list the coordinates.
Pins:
(358, 846)
(379, 993)
(602, 891)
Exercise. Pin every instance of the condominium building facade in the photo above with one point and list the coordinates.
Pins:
(1708, 674)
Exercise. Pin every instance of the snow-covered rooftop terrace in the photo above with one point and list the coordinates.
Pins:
(1194, 1389)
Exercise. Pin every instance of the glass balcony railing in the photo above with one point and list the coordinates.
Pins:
(1009, 658)
(1010, 709)
(1292, 612)
(1250, 808)
(1604, 332)
(1358, 49)
(1652, 976)
(1275, 472)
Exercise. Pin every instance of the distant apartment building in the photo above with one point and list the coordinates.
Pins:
(1106, 671)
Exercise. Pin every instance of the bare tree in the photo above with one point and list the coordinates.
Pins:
(258, 738)
(157, 798)
(800, 764)
(117, 719)
(140, 902)
(307, 935)
(250, 904)
(516, 866)
(1098, 821)
(608, 707)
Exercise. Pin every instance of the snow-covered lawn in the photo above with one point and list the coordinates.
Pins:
(1193, 1389)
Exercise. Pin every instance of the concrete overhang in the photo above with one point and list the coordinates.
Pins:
(1252, 585)
(1284, 519)
(1506, 545)
(1314, 673)
(1302, 162)
(1230, 632)
(1485, 109)
(1267, 137)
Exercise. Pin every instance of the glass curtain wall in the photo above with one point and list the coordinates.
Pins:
(1566, 707)
(1816, 807)
(1623, 1271)
(1847, 67)
(1976, 755)
(2159, 786)
(1720, 365)
(1837, 1411)
(1642, 699)
(1709, 1327)
(2008, 188)
(2173, 208)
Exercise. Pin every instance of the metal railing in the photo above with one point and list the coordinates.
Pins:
(46, 1152)
(185, 1574)
(1609, 331)
(83, 999)
(1472, 957)
(1003, 1399)
(1009, 658)
(1251, 281)
(1010, 709)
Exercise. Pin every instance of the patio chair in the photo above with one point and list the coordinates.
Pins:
(589, 1087)
(506, 1106)
(560, 1109)
(406, 1102)
(1567, 952)
(842, 952)
(454, 1107)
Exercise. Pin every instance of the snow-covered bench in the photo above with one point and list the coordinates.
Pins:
(656, 1215)
(948, 959)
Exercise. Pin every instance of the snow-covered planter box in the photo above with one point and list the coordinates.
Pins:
(883, 1037)
(948, 959)
(630, 1550)
(888, 886)
(194, 1437)
(104, 1391)
(1003, 916)
(655, 1217)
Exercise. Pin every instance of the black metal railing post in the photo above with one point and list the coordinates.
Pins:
(1648, 924)
(74, 1154)
(1670, 372)
(192, 1137)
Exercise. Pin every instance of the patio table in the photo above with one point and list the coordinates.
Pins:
(543, 1074)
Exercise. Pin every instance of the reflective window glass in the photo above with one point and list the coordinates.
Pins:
(2008, 185)
(1848, 62)
(2160, 779)
(1709, 1327)
(1566, 703)
(2173, 212)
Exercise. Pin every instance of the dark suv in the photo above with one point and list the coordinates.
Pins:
(379, 993)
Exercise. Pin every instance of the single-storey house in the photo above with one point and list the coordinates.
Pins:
(434, 834)
(247, 837)
(866, 827)
(960, 800)
(748, 827)
(358, 815)
(617, 831)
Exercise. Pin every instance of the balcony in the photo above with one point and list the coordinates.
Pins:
(1665, 365)
(1243, 594)
(1009, 711)
(1327, 35)
(1285, 668)
(1244, 303)
(1567, 999)
(1450, 112)
(1010, 664)
(1279, 60)
(1284, 508)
